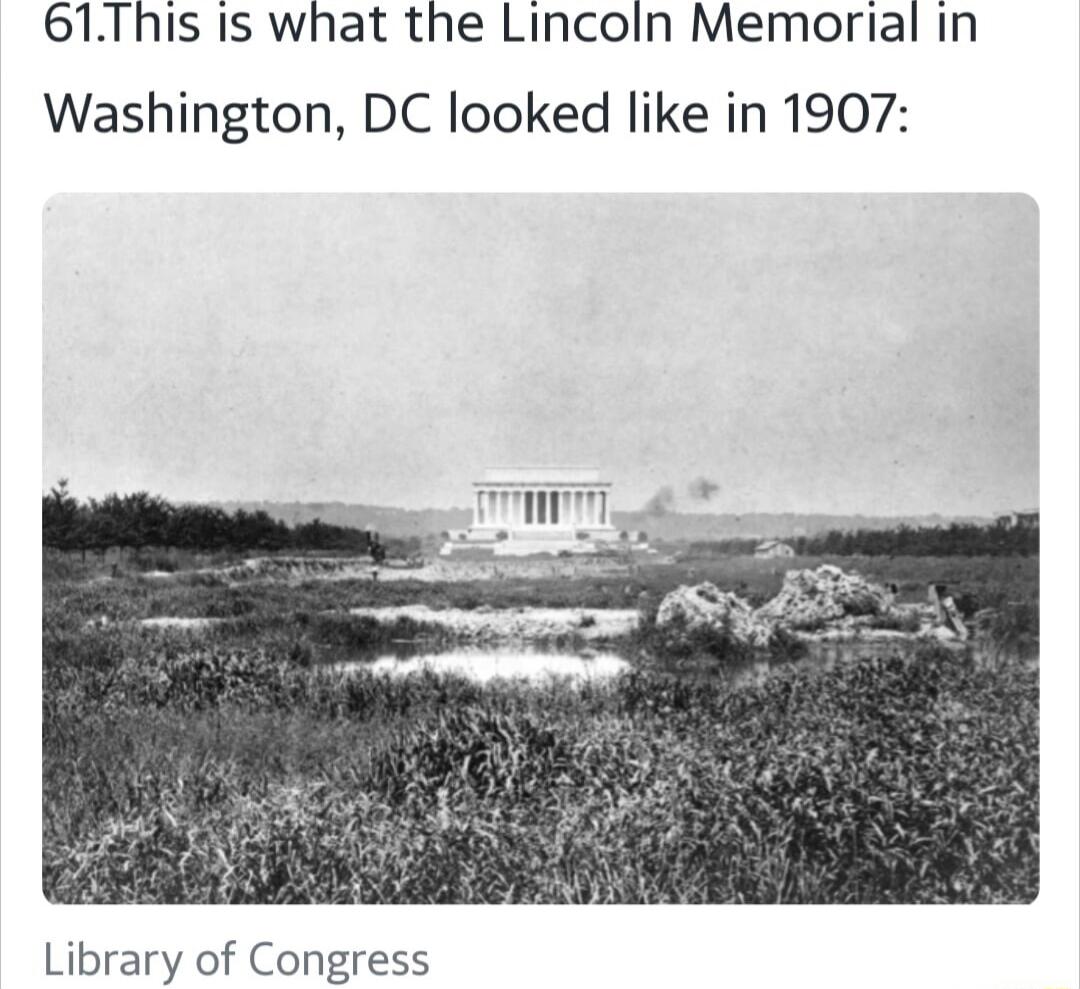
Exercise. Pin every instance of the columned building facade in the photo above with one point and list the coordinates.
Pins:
(519, 511)
(535, 500)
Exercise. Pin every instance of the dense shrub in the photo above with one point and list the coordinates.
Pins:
(142, 520)
(956, 539)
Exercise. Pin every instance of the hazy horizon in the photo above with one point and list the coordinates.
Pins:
(617, 510)
(840, 355)
(465, 506)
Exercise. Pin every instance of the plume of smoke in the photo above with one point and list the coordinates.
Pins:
(660, 503)
(702, 489)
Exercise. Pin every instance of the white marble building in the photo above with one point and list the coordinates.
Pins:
(523, 510)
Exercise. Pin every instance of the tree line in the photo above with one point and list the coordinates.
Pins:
(139, 520)
(958, 539)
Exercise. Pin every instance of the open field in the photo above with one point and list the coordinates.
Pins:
(235, 763)
(989, 580)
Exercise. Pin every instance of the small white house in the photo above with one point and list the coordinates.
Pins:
(771, 549)
(1027, 518)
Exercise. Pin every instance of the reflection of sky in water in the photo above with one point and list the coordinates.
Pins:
(490, 664)
(538, 662)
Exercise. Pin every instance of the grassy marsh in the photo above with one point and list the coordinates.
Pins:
(228, 765)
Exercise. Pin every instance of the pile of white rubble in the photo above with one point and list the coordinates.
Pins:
(812, 598)
(808, 600)
(705, 606)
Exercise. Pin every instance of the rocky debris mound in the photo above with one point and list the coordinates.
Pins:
(810, 599)
(704, 607)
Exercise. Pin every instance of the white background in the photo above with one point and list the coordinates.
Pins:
(1000, 116)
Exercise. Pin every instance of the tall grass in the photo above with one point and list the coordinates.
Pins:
(229, 765)
(183, 773)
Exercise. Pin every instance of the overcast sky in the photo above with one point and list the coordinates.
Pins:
(873, 354)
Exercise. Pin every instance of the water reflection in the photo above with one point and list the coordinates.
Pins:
(483, 664)
(827, 654)
(819, 655)
(536, 662)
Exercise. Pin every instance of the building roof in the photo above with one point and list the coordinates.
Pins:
(541, 475)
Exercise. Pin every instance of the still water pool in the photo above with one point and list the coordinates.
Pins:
(485, 663)
(536, 662)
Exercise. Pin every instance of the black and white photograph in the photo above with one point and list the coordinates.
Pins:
(540, 549)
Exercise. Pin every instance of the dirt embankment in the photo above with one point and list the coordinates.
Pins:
(823, 604)
(294, 569)
(483, 624)
(180, 623)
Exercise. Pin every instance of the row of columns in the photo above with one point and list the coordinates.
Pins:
(521, 507)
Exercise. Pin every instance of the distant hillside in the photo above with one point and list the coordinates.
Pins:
(671, 526)
(686, 526)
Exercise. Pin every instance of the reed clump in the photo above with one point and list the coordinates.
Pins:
(198, 769)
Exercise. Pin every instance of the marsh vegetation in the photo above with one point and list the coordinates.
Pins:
(239, 761)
